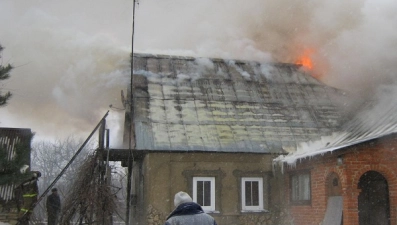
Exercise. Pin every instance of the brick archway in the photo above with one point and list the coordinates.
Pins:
(384, 170)
(389, 176)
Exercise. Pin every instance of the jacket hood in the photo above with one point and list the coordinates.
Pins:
(188, 208)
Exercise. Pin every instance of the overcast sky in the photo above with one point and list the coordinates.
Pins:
(71, 57)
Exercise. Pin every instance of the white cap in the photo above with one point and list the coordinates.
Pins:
(182, 197)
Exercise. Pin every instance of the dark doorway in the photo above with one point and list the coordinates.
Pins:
(373, 200)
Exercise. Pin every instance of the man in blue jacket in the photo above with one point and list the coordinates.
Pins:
(188, 212)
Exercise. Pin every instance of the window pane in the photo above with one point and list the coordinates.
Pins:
(300, 187)
(207, 193)
(306, 187)
(255, 193)
(200, 192)
(295, 188)
(248, 199)
(204, 192)
(251, 193)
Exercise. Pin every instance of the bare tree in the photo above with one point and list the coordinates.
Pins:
(50, 157)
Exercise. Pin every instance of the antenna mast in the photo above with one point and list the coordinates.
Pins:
(130, 156)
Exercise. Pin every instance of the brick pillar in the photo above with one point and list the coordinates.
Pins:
(350, 206)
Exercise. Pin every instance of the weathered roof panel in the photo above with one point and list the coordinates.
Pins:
(9, 139)
(375, 119)
(185, 103)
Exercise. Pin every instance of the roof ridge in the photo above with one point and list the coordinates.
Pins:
(164, 56)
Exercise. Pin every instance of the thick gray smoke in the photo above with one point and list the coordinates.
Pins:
(72, 56)
(352, 43)
(71, 62)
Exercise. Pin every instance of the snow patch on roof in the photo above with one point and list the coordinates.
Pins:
(309, 149)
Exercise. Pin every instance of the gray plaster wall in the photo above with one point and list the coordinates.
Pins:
(164, 174)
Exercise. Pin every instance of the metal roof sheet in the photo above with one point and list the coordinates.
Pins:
(9, 138)
(185, 103)
(374, 119)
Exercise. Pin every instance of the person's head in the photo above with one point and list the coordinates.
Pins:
(182, 197)
(54, 190)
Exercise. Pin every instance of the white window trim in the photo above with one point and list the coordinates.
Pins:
(210, 208)
(260, 186)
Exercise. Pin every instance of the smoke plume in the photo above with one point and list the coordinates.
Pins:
(71, 57)
(352, 43)
(71, 63)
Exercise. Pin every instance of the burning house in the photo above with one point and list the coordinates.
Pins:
(212, 127)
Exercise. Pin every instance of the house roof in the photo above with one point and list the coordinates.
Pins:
(375, 119)
(201, 104)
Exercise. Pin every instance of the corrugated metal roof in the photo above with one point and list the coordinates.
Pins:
(9, 138)
(376, 118)
(184, 103)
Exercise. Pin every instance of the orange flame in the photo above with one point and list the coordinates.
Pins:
(305, 60)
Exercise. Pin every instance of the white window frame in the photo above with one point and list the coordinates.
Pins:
(260, 187)
(210, 208)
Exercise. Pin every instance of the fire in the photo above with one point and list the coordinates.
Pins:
(305, 59)
(316, 69)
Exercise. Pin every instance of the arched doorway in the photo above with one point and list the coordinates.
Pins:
(373, 200)
(333, 185)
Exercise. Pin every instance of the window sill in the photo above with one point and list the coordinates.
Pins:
(212, 212)
(255, 211)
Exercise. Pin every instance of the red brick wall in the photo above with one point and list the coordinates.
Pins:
(379, 155)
